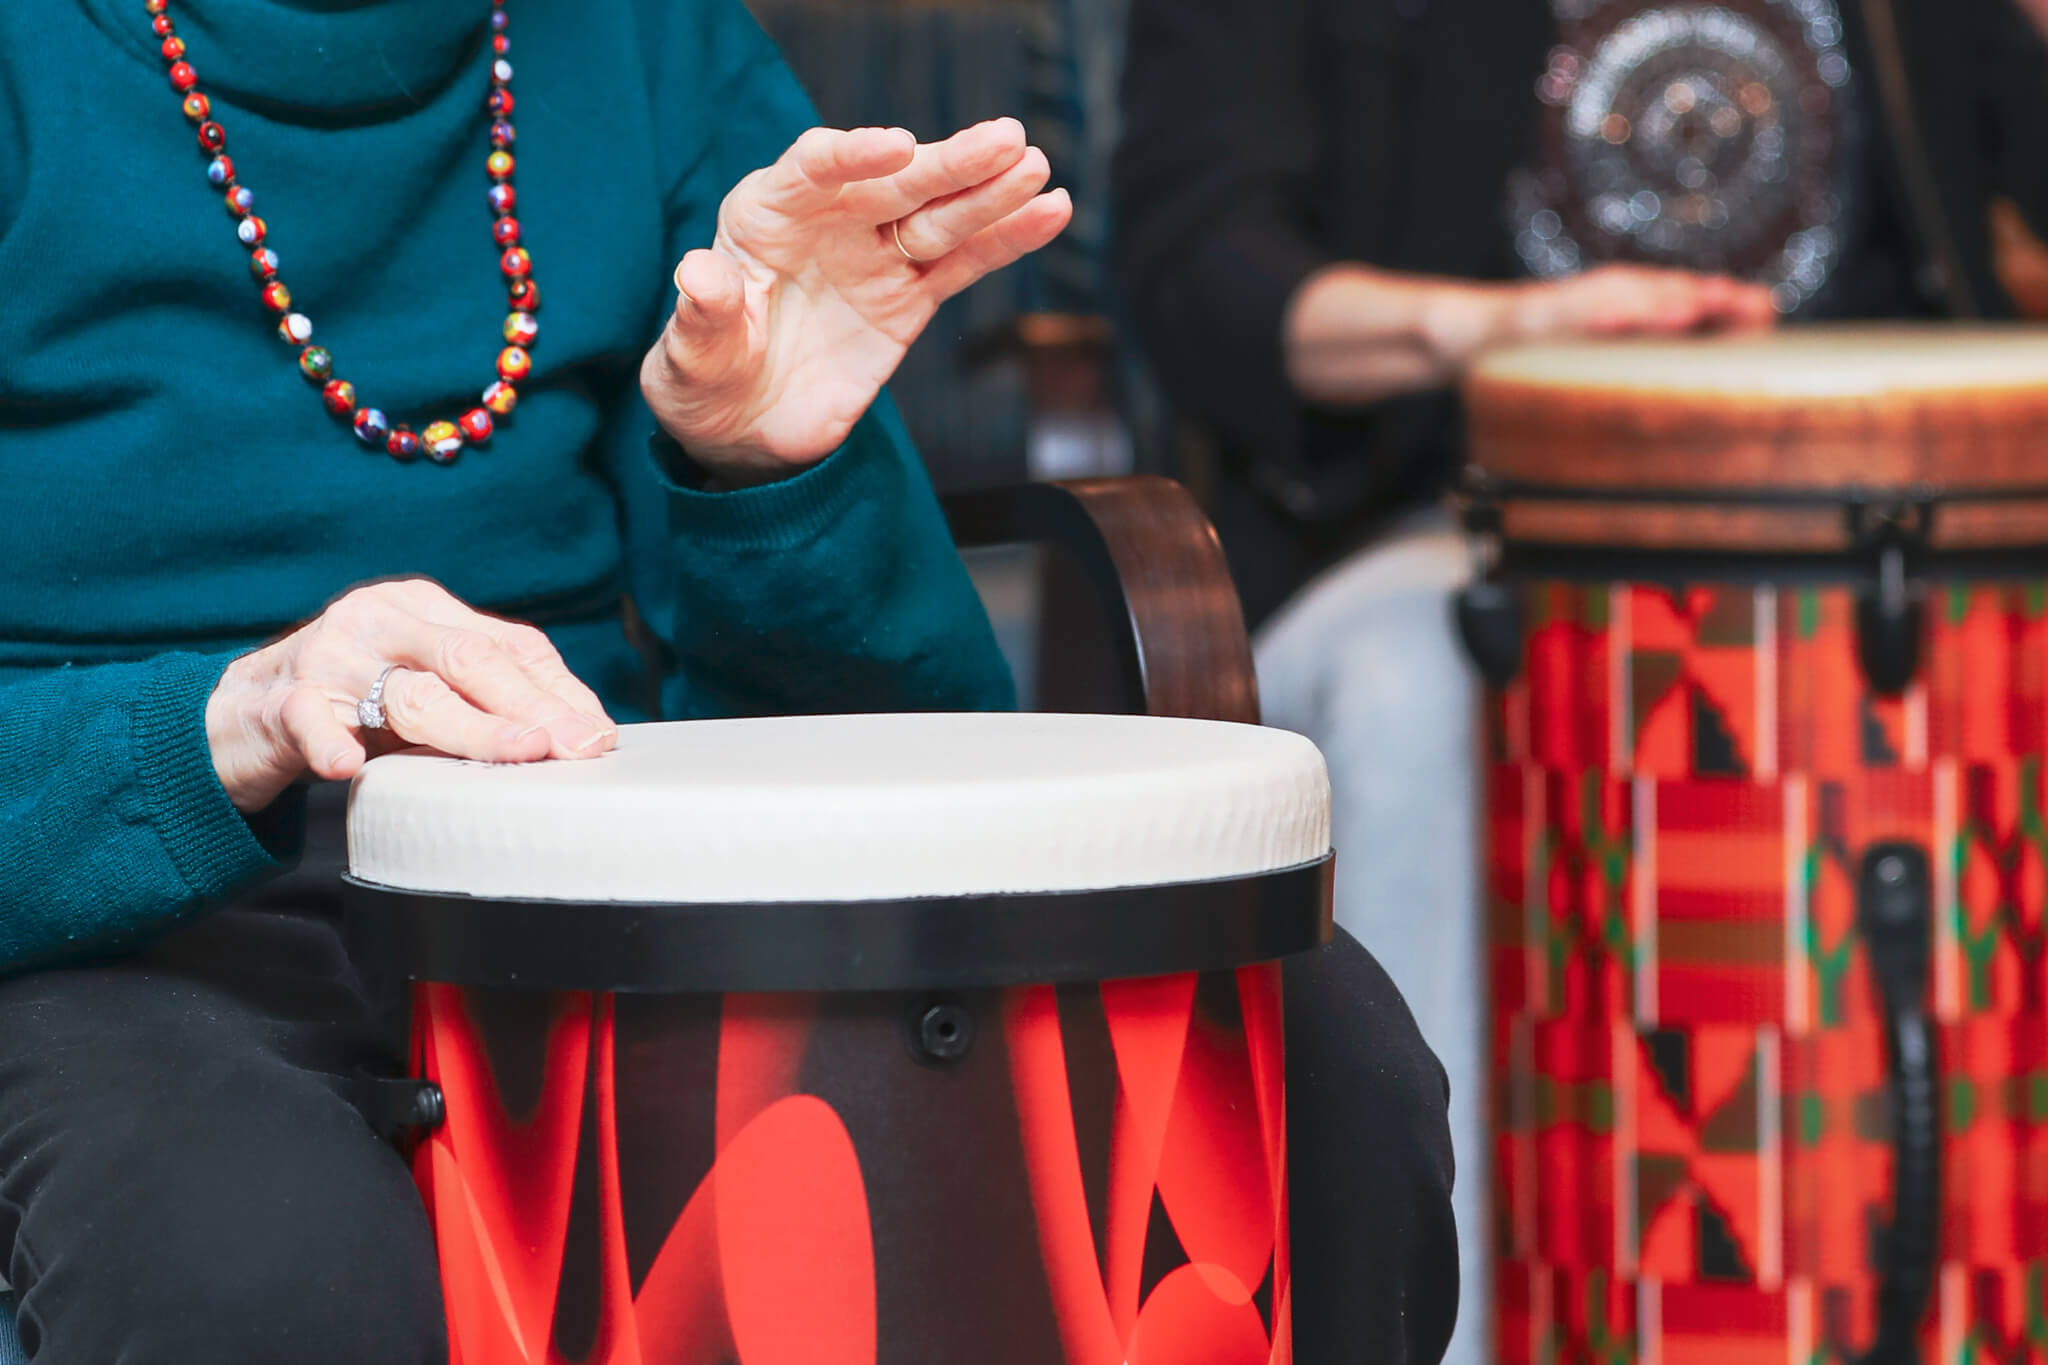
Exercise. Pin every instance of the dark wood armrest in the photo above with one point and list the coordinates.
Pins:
(1150, 561)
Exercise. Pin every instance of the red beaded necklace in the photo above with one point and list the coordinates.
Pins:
(440, 441)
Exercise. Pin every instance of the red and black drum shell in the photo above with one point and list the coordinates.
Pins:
(1087, 1171)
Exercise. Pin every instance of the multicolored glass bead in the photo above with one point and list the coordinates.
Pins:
(443, 441)
(372, 426)
(340, 397)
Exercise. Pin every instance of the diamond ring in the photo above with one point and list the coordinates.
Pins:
(370, 710)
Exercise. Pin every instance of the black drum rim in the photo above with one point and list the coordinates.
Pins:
(923, 943)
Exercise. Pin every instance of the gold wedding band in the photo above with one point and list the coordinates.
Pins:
(896, 231)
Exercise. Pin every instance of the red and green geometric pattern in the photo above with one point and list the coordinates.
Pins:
(1691, 1150)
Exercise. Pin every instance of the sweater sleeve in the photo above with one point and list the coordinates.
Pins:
(112, 822)
(838, 589)
(1213, 186)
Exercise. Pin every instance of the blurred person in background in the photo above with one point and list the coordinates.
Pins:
(1325, 208)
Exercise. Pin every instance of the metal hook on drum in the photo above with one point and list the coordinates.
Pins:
(1888, 613)
(1487, 612)
(1895, 916)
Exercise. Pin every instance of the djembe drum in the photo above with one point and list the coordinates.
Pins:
(1766, 624)
(858, 1039)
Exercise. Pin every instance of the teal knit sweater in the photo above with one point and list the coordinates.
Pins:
(172, 491)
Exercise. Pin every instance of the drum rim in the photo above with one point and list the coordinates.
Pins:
(1840, 527)
(923, 943)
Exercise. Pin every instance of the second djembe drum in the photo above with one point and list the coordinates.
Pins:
(856, 1040)
(1766, 623)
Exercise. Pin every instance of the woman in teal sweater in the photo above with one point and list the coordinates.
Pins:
(308, 294)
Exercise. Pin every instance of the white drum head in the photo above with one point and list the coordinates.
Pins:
(1797, 362)
(850, 808)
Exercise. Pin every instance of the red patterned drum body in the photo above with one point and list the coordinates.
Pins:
(785, 1180)
(883, 1130)
(1767, 862)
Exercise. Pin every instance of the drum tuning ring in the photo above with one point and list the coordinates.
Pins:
(942, 1033)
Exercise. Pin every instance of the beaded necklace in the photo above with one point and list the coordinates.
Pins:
(439, 441)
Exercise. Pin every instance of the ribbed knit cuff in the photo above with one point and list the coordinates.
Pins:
(210, 843)
(771, 516)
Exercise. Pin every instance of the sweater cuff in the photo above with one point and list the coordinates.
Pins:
(208, 841)
(768, 517)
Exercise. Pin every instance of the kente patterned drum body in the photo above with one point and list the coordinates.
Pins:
(1767, 858)
(985, 1066)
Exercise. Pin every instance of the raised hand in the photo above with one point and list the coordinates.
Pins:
(826, 266)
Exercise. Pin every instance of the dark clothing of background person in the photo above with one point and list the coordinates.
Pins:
(1265, 139)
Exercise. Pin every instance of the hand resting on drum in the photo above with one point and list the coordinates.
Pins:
(467, 684)
(1355, 334)
(826, 266)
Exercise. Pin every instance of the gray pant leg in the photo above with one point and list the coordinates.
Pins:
(1366, 663)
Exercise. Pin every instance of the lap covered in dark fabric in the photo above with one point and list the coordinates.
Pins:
(181, 1176)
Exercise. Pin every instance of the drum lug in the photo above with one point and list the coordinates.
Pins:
(1487, 611)
(1895, 918)
(1489, 617)
(398, 1108)
(1888, 613)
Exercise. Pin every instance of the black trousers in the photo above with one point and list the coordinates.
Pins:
(182, 1179)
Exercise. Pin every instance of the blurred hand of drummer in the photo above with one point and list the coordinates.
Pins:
(467, 684)
(1618, 300)
(1354, 334)
(826, 266)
